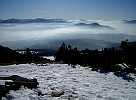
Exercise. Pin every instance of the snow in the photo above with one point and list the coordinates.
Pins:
(2, 82)
(78, 83)
(49, 57)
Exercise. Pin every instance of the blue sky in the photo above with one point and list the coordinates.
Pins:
(69, 9)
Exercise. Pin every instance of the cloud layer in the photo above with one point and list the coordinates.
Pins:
(14, 32)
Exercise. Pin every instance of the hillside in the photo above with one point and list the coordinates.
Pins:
(81, 44)
(8, 55)
(82, 41)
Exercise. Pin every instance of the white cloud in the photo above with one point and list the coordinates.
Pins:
(40, 11)
(11, 32)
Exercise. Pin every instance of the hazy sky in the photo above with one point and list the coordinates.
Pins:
(69, 9)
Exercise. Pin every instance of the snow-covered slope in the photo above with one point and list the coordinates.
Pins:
(78, 83)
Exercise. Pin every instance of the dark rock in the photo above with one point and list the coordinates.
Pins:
(16, 84)
(57, 93)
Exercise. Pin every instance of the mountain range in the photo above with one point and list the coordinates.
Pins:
(81, 41)
(94, 25)
(37, 20)
(130, 21)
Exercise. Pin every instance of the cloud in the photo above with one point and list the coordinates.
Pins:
(40, 11)
(12, 31)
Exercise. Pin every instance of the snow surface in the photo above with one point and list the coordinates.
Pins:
(78, 83)
(49, 57)
(2, 82)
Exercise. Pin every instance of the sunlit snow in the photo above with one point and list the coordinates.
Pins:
(49, 57)
(78, 83)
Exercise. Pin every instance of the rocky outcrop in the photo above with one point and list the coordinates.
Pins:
(57, 93)
(15, 83)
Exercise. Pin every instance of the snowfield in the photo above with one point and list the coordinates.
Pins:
(77, 83)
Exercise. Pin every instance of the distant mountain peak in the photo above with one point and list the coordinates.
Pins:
(37, 20)
(93, 25)
(130, 21)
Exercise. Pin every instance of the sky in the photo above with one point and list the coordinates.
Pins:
(69, 9)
